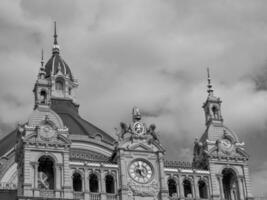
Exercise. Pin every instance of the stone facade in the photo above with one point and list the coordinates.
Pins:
(58, 155)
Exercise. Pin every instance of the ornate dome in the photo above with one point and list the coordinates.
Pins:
(55, 64)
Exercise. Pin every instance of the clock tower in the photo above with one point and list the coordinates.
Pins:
(220, 151)
(139, 155)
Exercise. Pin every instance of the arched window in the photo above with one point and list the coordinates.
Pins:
(215, 112)
(59, 84)
(77, 182)
(187, 188)
(46, 173)
(172, 187)
(93, 183)
(203, 189)
(110, 186)
(43, 96)
(230, 184)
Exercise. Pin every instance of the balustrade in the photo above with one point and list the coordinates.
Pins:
(95, 196)
(78, 195)
(111, 196)
(47, 193)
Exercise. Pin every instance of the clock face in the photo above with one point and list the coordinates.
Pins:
(140, 171)
(138, 128)
(226, 143)
(47, 132)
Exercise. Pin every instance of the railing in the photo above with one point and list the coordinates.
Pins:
(78, 195)
(111, 197)
(95, 196)
(47, 193)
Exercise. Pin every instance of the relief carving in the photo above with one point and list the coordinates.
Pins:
(148, 190)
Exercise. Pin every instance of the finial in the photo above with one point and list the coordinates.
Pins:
(55, 46)
(210, 90)
(136, 114)
(42, 58)
(55, 33)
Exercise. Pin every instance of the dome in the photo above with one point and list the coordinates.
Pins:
(56, 63)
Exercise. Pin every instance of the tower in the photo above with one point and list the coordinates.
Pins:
(220, 151)
(43, 142)
(55, 80)
(140, 159)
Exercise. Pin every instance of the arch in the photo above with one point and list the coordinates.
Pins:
(172, 187)
(93, 183)
(77, 182)
(230, 184)
(46, 173)
(110, 184)
(187, 188)
(203, 189)
(49, 155)
(215, 111)
(43, 96)
(59, 84)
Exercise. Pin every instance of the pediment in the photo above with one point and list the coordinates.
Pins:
(235, 153)
(140, 147)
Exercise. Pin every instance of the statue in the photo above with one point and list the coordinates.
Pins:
(136, 114)
(123, 131)
(152, 132)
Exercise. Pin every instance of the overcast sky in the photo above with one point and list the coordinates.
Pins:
(152, 54)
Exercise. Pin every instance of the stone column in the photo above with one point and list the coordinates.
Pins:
(103, 185)
(219, 176)
(181, 188)
(240, 187)
(67, 176)
(86, 183)
(163, 185)
(35, 175)
(58, 177)
(196, 179)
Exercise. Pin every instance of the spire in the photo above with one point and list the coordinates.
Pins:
(212, 106)
(55, 33)
(42, 69)
(210, 90)
(55, 46)
(42, 58)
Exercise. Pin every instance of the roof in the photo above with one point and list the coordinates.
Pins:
(56, 63)
(8, 142)
(77, 125)
(71, 119)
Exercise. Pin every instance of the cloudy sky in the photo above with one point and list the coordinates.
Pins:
(152, 54)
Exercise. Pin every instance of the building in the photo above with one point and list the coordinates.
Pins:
(59, 155)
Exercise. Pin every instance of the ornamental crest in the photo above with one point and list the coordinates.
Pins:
(147, 190)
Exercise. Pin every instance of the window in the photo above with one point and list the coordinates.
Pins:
(43, 96)
(93, 183)
(203, 190)
(187, 188)
(172, 187)
(77, 182)
(110, 186)
(215, 112)
(46, 173)
(59, 85)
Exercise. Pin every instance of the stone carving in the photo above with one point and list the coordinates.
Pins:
(148, 190)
